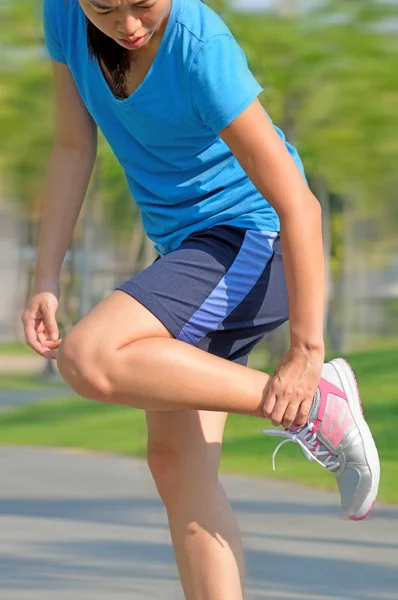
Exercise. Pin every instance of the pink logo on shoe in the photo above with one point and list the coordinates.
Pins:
(334, 416)
(337, 419)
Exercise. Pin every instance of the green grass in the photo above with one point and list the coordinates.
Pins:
(73, 422)
(23, 381)
(16, 349)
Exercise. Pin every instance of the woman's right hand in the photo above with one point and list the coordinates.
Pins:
(40, 325)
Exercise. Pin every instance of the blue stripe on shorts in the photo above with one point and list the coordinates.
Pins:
(254, 254)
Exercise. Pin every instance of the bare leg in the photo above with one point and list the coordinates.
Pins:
(120, 353)
(183, 455)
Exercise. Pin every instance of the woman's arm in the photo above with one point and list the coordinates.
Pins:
(68, 175)
(263, 155)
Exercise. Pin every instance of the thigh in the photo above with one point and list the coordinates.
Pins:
(115, 322)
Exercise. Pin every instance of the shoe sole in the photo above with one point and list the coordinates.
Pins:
(372, 457)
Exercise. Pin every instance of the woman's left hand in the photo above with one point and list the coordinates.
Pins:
(291, 390)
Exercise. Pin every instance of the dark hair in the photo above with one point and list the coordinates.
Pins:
(115, 58)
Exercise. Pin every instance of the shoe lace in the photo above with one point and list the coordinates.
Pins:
(309, 444)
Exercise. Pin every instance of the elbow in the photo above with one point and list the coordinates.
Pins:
(315, 206)
(83, 141)
(305, 206)
(81, 146)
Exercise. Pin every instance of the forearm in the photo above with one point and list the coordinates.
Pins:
(303, 256)
(68, 176)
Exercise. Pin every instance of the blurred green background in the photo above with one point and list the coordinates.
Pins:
(329, 77)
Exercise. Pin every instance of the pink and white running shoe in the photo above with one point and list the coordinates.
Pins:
(337, 437)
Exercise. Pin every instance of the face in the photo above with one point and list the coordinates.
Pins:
(131, 23)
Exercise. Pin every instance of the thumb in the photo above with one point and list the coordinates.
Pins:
(50, 324)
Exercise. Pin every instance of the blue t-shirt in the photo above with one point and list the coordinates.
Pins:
(181, 174)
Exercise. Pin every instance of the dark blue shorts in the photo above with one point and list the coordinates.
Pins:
(221, 290)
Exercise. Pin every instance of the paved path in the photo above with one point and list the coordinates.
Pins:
(22, 363)
(79, 526)
(10, 399)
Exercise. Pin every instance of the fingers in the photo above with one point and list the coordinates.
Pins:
(49, 346)
(289, 413)
(303, 412)
(289, 394)
(50, 354)
(37, 336)
(285, 413)
(46, 343)
(39, 343)
(31, 335)
(289, 416)
(40, 325)
(284, 405)
(278, 398)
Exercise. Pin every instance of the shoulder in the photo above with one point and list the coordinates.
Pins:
(199, 25)
(64, 28)
(61, 12)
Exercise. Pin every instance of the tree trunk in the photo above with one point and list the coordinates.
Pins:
(321, 191)
(347, 283)
(88, 246)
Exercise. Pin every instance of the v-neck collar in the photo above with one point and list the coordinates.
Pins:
(158, 56)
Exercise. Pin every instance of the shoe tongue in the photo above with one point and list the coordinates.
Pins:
(313, 414)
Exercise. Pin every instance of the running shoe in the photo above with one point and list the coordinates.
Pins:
(337, 437)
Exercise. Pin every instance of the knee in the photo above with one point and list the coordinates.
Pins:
(82, 368)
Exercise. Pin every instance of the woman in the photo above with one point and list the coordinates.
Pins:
(215, 182)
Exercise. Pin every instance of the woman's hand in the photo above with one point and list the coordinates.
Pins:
(40, 325)
(291, 391)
